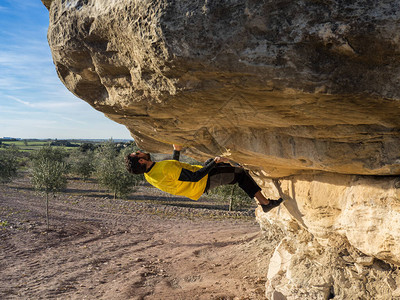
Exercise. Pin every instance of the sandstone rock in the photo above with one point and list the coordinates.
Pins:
(280, 260)
(289, 86)
(47, 3)
(396, 293)
(363, 209)
(365, 261)
(305, 91)
(323, 274)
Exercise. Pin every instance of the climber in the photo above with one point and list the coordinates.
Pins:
(192, 181)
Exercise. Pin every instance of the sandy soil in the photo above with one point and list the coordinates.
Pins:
(99, 248)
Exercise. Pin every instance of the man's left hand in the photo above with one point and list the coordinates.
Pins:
(177, 147)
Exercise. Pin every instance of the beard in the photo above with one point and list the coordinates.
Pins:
(140, 169)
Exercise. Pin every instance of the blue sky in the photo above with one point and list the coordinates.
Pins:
(33, 101)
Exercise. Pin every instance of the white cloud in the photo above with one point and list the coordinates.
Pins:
(74, 121)
(66, 106)
(20, 101)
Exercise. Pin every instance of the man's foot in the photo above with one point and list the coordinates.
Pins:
(272, 204)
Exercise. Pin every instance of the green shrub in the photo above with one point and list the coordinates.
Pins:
(111, 171)
(4, 223)
(49, 172)
(82, 163)
(8, 164)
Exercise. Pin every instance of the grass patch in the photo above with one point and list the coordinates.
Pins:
(4, 223)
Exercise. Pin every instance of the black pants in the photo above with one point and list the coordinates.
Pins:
(224, 174)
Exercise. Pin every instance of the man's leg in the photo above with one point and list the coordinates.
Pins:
(247, 183)
(220, 175)
(223, 175)
(261, 199)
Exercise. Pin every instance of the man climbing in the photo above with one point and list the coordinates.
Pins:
(178, 178)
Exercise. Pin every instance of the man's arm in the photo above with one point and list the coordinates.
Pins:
(187, 175)
(176, 155)
(177, 152)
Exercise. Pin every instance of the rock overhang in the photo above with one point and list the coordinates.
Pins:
(301, 90)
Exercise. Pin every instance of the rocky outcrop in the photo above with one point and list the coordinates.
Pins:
(291, 86)
(340, 237)
(301, 91)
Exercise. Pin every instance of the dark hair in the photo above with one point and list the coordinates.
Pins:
(133, 166)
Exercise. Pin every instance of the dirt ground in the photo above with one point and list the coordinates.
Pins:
(140, 248)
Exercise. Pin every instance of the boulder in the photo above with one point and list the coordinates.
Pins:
(288, 86)
(304, 92)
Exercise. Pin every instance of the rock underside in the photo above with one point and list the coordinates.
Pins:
(302, 93)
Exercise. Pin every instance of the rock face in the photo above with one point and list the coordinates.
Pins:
(301, 91)
(340, 238)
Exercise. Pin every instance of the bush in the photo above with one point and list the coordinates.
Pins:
(8, 164)
(49, 172)
(82, 163)
(84, 147)
(111, 171)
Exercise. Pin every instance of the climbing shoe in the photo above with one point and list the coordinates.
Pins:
(272, 204)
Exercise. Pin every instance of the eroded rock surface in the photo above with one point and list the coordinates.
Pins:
(304, 91)
(341, 237)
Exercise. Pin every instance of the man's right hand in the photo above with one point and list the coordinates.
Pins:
(220, 159)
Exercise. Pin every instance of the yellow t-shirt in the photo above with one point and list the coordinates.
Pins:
(164, 175)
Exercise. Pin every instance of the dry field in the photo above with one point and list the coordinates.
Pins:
(150, 246)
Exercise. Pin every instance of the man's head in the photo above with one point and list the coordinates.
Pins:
(137, 162)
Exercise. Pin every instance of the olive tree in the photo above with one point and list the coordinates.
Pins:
(82, 163)
(111, 171)
(49, 172)
(238, 199)
(8, 164)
